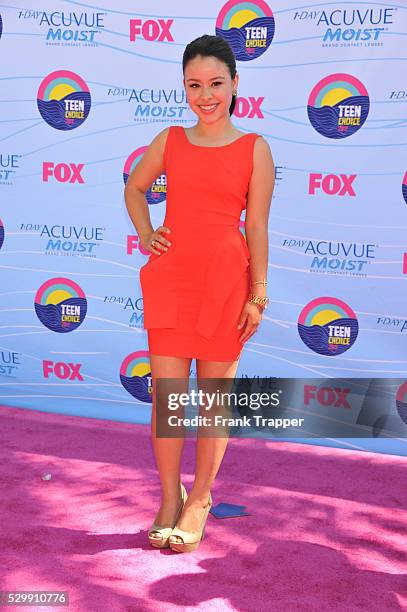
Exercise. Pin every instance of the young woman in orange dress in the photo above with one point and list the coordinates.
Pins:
(204, 285)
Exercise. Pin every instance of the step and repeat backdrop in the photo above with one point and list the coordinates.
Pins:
(85, 88)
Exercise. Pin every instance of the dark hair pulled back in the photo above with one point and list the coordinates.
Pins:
(216, 46)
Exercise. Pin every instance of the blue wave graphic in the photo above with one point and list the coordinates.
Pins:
(156, 198)
(50, 315)
(151, 198)
(316, 337)
(1, 235)
(405, 193)
(53, 111)
(402, 410)
(237, 39)
(325, 119)
(137, 386)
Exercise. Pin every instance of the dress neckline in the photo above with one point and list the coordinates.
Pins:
(213, 147)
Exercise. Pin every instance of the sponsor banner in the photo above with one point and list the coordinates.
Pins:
(321, 84)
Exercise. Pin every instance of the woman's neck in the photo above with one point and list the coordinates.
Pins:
(214, 131)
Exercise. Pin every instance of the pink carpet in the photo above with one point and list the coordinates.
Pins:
(328, 530)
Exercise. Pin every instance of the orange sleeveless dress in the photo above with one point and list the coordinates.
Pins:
(194, 293)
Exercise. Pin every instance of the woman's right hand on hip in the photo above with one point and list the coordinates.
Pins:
(156, 241)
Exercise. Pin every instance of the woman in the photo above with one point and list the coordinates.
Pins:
(202, 296)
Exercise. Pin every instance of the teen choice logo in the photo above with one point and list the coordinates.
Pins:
(135, 376)
(63, 100)
(328, 326)
(401, 402)
(60, 305)
(405, 187)
(338, 106)
(158, 190)
(1, 233)
(247, 26)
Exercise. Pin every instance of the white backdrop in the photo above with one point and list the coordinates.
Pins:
(84, 91)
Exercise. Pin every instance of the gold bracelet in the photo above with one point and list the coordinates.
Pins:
(262, 282)
(260, 301)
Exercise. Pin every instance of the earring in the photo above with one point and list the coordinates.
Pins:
(234, 93)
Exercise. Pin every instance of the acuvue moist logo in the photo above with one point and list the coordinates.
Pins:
(153, 103)
(135, 376)
(132, 307)
(172, 103)
(10, 361)
(9, 164)
(404, 187)
(1, 233)
(338, 106)
(68, 29)
(1, 26)
(67, 240)
(394, 323)
(60, 305)
(158, 191)
(347, 27)
(328, 326)
(247, 26)
(64, 100)
(398, 94)
(401, 402)
(334, 257)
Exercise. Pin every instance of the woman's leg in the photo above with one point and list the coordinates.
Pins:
(209, 453)
(168, 451)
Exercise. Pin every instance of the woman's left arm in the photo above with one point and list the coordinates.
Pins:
(256, 228)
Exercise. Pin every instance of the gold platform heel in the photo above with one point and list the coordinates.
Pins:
(191, 539)
(165, 532)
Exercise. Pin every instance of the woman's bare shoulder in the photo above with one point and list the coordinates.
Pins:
(160, 139)
(261, 141)
(262, 148)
